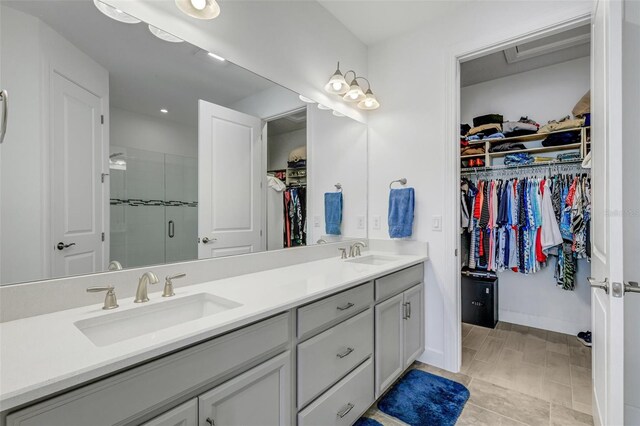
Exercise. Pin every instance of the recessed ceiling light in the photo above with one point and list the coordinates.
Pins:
(164, 110)
(320, 106)
(163, 35)
(218, 57)
(114, 13)
(200, 9)
(307, 100)
(337, 114)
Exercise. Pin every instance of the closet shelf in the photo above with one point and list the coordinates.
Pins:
(538, 149)
(472, 156)
(528, 138)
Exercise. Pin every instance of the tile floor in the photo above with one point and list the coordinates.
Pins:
(519, 376)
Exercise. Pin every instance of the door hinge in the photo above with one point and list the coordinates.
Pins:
(102, 175)
(103, 236)
(101, 119)
(456, 252)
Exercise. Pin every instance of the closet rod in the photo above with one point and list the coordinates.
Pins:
(550, 168)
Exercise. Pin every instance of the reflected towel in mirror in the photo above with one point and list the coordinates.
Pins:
(401, 205)
(333, 212)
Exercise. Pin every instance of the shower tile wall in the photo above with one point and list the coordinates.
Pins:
(154, 189)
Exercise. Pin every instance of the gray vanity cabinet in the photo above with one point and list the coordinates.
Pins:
(183, 415)
(261, 396)
(399, 326)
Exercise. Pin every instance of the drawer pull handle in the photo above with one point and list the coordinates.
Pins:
(345, 307)
(345, 410)
(210, 421)
(345, 353)
(409, 307)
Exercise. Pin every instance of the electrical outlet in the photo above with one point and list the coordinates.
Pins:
(436, 223)
(376, 222)
(360, 222)
(316, 221)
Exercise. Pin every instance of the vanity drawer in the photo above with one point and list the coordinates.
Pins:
(140, 391)
(333, 308)
(399, 281)
(326, 358)
(344, 403)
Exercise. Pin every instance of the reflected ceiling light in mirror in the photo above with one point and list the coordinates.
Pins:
(323, 107)
(214, 56)
(199, 9)
(337, 114)
(163, 35)
(337, 84)
(164, 111)
(114, 13)
(307, 100)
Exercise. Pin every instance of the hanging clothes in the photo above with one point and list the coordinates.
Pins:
(518, 223)
(294, 231)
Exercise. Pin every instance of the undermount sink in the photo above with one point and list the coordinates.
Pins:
(115, 327)
(373, 259)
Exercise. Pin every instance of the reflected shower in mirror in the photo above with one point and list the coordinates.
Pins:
(129, 147)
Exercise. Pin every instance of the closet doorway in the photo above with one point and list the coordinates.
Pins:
(286, 189)
(525, 205)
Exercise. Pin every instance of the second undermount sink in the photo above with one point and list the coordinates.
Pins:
(118, 326)
(373, 259)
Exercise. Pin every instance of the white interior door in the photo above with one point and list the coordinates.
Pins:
(607, 230)
(76, 197)
(229, 177)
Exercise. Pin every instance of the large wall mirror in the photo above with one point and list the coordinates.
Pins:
(127, 147)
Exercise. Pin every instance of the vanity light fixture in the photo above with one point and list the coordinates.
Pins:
(199, 9)
(337, 84)
(214, 56)
(307, 100)
(355, 93)
(370, 102)
(323, 107)
(164, 111)
(114, 13)
(163, 35)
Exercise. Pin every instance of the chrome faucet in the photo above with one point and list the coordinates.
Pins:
(141, 293)
(110, 301)
(354, 251)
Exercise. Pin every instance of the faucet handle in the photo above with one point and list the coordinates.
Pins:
(344, 252)
(168, 284)
(110, 300)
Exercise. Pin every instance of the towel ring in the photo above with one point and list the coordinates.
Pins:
(338, 186)
(402, 181)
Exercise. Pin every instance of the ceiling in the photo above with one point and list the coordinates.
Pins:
(373, 21)
(539, 53)
(146, 73)
(288, 123)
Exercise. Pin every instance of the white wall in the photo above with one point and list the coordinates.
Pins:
(269, 103)
(407, 135)
(542, 94)
(337, 152)
(135, 130)
(279, 147)
(293, 43)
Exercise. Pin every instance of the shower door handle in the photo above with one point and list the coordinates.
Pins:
(4, 97)
(172, 229)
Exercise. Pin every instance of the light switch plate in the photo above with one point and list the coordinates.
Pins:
(360, 222)
(436, 223)
(376, 222)
(316, 221)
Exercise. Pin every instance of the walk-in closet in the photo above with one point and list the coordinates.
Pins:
(525, 188)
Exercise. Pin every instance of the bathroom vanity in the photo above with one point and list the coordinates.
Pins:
(310, 344)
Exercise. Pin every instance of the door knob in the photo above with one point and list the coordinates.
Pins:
(603, 285)
(632, 287)
(207, 240)
(62, 246)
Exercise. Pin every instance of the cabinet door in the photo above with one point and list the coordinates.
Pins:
(389, 342)
(183, 415)
(413, 324)
(260, 397)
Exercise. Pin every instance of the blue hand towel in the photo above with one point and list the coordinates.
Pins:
(401, 204)
(333, 212)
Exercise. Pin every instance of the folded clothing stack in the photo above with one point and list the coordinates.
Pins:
(483, 131)
(518, 159)
(522, 127)
(506, 146)
(563, 124)
(568, 156)
(560, 139)
(471, 150)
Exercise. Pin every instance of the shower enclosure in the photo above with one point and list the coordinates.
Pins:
(154, 208)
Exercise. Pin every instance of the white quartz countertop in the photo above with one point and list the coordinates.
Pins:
(45, 354)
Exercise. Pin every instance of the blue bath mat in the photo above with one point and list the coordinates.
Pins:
(421, 398)
(366, 421)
